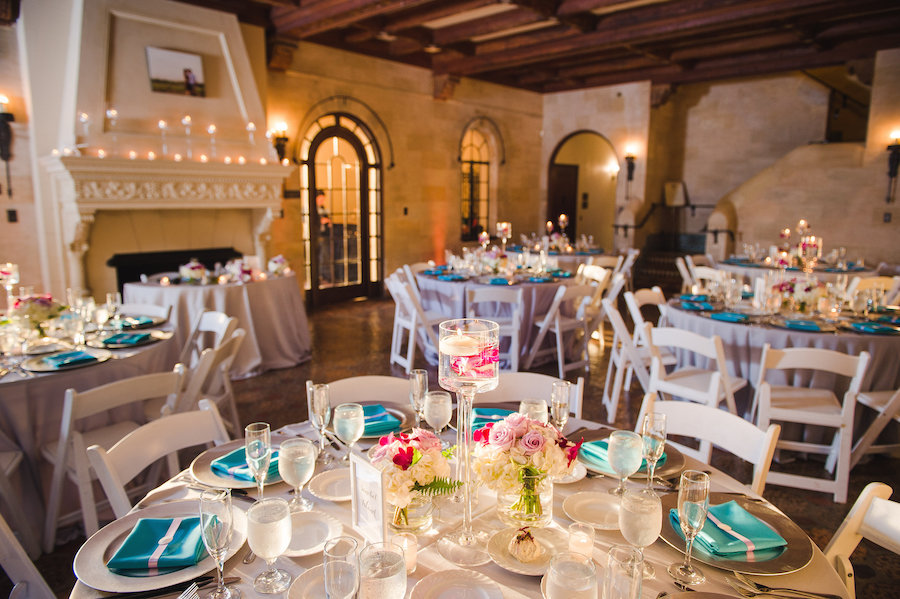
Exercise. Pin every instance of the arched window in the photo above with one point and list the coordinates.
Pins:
(476, 184)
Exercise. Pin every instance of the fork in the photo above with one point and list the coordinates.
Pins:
(192, 592)
(757, 586)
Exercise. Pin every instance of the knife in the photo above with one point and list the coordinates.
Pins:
(202, 581)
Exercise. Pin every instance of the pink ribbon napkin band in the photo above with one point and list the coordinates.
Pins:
(746, 541)
(163, 543)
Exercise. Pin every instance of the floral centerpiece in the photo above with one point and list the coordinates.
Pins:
(417, 469)
(799, 293)
(278, 266)
(238, 270)
(192, 272)
(37, 309)
(518, 457)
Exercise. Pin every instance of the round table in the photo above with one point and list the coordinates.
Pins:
(752, 270)
(568, 261)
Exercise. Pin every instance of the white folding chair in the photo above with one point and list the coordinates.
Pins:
(410, 321)
(614, 263)
(639, 298)
(817, 407)
(712, 426)
(887, 407)
(68, 454)
(10, 459)
(704, 275)
(411, 270)
(627, 265)
(211, 330)
(516, 386)
(687, 280)
(163, 438)
(884, 283)
(704, 385)
(624, 359)
(502, 305)
(567, 316)
(21, 571)
(378, 388)
(151, 310)
(597, 314)
(873, 516)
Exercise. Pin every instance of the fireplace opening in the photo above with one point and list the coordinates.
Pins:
(130, 267)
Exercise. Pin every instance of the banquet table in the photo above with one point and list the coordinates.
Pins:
(750, 271)
(816, 576)
(270, 311)
(569, 261)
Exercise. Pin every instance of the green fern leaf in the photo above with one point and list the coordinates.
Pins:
(439, 486)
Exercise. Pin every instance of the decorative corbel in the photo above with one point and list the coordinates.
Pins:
(444, 86)
(78, 247)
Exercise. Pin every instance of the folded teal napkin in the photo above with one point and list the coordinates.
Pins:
(126, 339)
(596, 453)
(433, 272)
(746, 294)
(482, 416)
(379, 421)
(693, 298)
(875, 328)
(234, 465)
(729, 316)
(158, 546)
(498, 281)
(540, 279)
(886, 309)
(451, 277)
(889, 319)
(137, 321)
(69, 358)
(697, 306)
(730, 529)
(801, 325)
(562, 274)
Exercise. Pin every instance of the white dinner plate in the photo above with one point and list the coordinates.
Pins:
(90, 561)
(201, 467)
(331, 485)
(599, 509)
(309, 585)
(310, 531)
(155, 335)
(552, 540)
(46, 346)
(37, 364)
(456, 584)
(578, 472)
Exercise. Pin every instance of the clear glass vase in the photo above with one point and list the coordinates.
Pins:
(530, 504)
(415, 517)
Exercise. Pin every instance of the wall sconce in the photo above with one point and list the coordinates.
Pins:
(6, 139)
(893, 166)
(280, 139)
(629, 161)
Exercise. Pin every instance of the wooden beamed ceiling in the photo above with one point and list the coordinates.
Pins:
(558, 45)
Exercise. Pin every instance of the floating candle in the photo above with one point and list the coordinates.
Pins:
(459, 345)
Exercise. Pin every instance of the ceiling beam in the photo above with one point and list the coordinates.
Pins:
(485, 26)
(323, 16)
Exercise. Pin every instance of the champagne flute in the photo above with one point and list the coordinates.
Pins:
(318, 402)
(296, 464)
(269, 535)
(653, 433)
(438, 410)
(640, 520)
(349, 423)
(341, 568)
(693, 503)
(559, 403)
(624, 451)
(418, 387)
(258, 447)
(216, 525)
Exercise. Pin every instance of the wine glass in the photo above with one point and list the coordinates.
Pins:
(559, 403)
(536, 409)
(624, 453)
(216, 525)
(258, 447)
(341, 568)
(269, 535)
(382, 571)
(418, 386)
(318, 400)
(653, 433)
(693, 503)
(640, 520)
(296, 464)
(113, 305)
(438, 410)
(349, 423)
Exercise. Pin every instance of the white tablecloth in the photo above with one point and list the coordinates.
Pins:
(753, 272)
(817, 576)
(270, 311)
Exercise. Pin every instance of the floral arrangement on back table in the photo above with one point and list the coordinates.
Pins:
(804, 292)
(37, 308)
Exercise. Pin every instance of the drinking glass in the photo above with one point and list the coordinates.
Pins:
(571, 576)
(341, 568)
(623, 573)
(9, 278)
(269, 535)
(113, 304)
(640, 520)
(258, 447)
(216, 525)
(581, 539)
(349, 423)
(653, 434)
(296, 464)
(559, 403)
(536, 409)
(438, 410)
(318, 403)
(418, 387)
(382, 572)
(693, 503)
(624, 450)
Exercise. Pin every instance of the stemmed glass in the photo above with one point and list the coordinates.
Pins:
(258, 447)
(349, 423)
(624, 451)
(113, 304)
(296, 464)
(468, 364)
(640, 520)
(318, 401)
(653, 433)
(438, 410)
(341, 568)
(559, 403)
(216, 525)
(418, 387)
(269, 535)
(693, 503)
(9, 278)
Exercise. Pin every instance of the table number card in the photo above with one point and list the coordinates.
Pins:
(367, 500)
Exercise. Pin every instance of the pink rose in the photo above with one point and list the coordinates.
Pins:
(532, 442)
(518, 423)
(425, 439)
(502, 436)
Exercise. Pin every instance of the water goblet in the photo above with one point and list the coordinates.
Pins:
(438, 410)
(296, 464)
(623, 573)
(349, 423)
(341, 568)
(624, 451)
(382, 572)
(216, 526)
(418, 387)
(693, 503)
(536, 409)
(653, 435)
(258, 448)
(559, 403)
(640, 520)
(571, 576)
(269, 535)
(318, 400)
(113, 305)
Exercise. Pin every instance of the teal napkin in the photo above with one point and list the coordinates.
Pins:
(379, 421)
(562, 274)
(69, 358)
(433, 271)
(498, 281)
(126, 339)
(729, 316)
(697, 306)
(234, 465)
(540, 279)
(596, 453)
(185, 547)
(693, 298)
(889, 319)
(875, 328)
(137, 321)
(801, 325)
(451, 277)
(730, 529)
(482, 416)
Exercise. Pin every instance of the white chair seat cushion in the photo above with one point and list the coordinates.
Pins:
(821, 401)
(877, 400)
(105, 437)
(695, 379)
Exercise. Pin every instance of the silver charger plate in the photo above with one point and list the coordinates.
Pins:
(37, 364)
(201, 467)
(779, 322)
(155, 335)
(129, 324)
(673, 465)
(796, 555)
(90, 561)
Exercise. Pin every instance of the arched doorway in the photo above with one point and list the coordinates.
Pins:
(581, 183)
